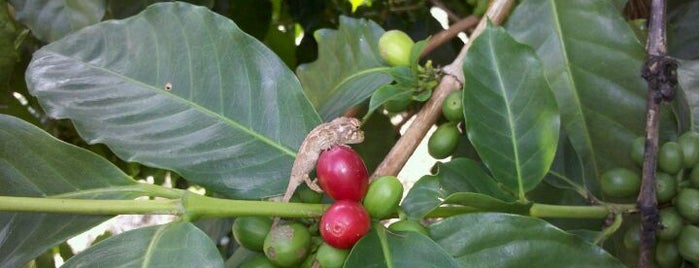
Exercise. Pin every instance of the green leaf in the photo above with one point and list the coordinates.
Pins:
(348, 69)
(505, 240)
(682, 37)
(592, 60)
(688, 79)
(193, 94)
(511, 114)
(387, 93)
(381, 248)
(32, 163)
(52, 20)
(178, 244)
(457, 176)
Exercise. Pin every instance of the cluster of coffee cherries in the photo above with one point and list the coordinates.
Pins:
(677, 192)
(343, 177)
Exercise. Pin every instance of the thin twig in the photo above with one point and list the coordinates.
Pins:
(446, 35)
(660, 73)
(428, 115)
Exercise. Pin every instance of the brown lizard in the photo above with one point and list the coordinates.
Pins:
(342, 130)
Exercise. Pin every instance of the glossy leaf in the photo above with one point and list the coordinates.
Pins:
(511, 114)
(348, 69)
(381, 248)
(32, 163)
(182, 88)
(505, 240)
(592, 61)
(460, 175)
(178, 244)
(51, 20)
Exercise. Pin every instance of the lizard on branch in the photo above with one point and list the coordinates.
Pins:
(342, 130)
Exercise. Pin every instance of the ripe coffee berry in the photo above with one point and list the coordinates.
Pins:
(342, 174)
(344, 223)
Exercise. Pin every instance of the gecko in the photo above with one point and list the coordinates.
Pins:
(342, 130)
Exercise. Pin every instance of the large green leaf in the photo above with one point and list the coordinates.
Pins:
(505, 240)
(178, 244)
(348, 69)
(51, 20)
(592, 60)
(180, 87)
(381, 248)
(32, 163)
(454, 178)
(511, 114)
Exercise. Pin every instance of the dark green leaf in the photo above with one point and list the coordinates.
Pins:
(592, 60)
(688, 78)
(511, 114)
(381, 248)
(348, 69)
(682, 36)
(424, 196)
(458, 175)
(178, 244)
(182, 88)
(505, 240)
(51, 20)
(32, 163)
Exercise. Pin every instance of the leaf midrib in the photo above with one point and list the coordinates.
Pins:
(194, 105)
(574, 93)
(510, 116)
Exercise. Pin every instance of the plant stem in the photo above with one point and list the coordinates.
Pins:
(191, 206)
(543, 211)
(562, 211)
(203, 206)
(660, 73)
(89, 206)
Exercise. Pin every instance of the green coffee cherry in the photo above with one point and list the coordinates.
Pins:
(452, 107)
(382, 197)
(670, 157)
(443, 141)
(689, 142)
(620, 182)
(395, 47)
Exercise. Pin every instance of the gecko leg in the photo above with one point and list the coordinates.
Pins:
(313, 184)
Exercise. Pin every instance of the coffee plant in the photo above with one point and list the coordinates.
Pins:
(547, 132)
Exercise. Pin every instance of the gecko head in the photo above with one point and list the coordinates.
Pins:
(348, 128)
